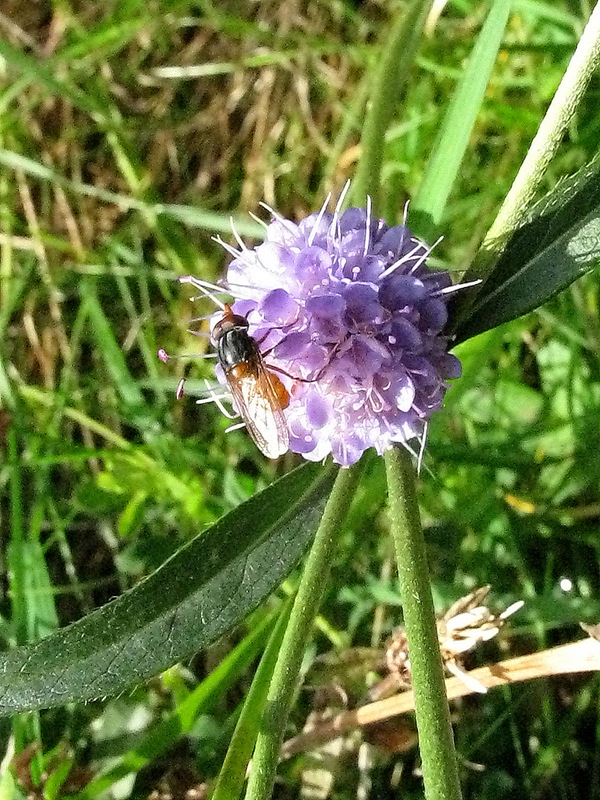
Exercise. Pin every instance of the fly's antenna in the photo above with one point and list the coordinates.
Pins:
(165, 357)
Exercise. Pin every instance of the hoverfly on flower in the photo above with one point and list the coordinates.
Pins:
(258, 394)
(351, 313)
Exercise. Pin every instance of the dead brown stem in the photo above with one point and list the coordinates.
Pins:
(581, 656)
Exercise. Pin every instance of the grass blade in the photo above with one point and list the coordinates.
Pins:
(192, 216)
(451, 144)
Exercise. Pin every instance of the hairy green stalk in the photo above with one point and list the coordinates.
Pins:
(583, 64)
(389, 79)
(306, 605)
(436, 744)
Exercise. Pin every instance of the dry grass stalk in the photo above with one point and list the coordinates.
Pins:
(581, 656)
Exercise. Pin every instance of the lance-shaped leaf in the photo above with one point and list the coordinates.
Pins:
(558, 242)
(201, 592)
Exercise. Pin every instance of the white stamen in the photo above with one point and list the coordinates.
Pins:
(232, 251)
(335, 222)
(368, 226)
(422, 448)
(215, 398)
(470, 682)
(235, 427)
(405, 215)
(198, 284)
(201, 282)
(237, 286)
(260, 221)
(212, 398)
(341, 199)
(289, 225)
(455, 288)
(237, 236)
(511, 609)
(407, 257)
(406, 446)
(426, 254)
(313, 233)
(263, 265)
(405, 228)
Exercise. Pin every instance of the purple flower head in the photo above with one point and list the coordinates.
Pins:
(350, 318)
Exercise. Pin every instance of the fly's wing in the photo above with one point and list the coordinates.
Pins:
(259, 407)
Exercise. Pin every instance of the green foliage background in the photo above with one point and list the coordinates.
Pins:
(129, 132)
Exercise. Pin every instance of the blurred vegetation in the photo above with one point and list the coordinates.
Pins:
(129, 133)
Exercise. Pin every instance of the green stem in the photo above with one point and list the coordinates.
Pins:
(233, 772)
(584, 62)
(436, 744)
(306, 605)
(388, 81)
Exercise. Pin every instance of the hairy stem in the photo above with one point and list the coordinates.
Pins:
(436, 744)
(389, 77)
(584, 62)
(306, 605)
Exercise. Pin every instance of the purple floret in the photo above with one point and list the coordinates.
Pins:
(348, 308)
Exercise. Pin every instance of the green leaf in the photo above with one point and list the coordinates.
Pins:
(453, 137)
(109, 347)
(201, 592)
(181, 720)
(56, 779)
(558, 242)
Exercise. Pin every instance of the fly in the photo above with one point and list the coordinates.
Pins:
(258, 394)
